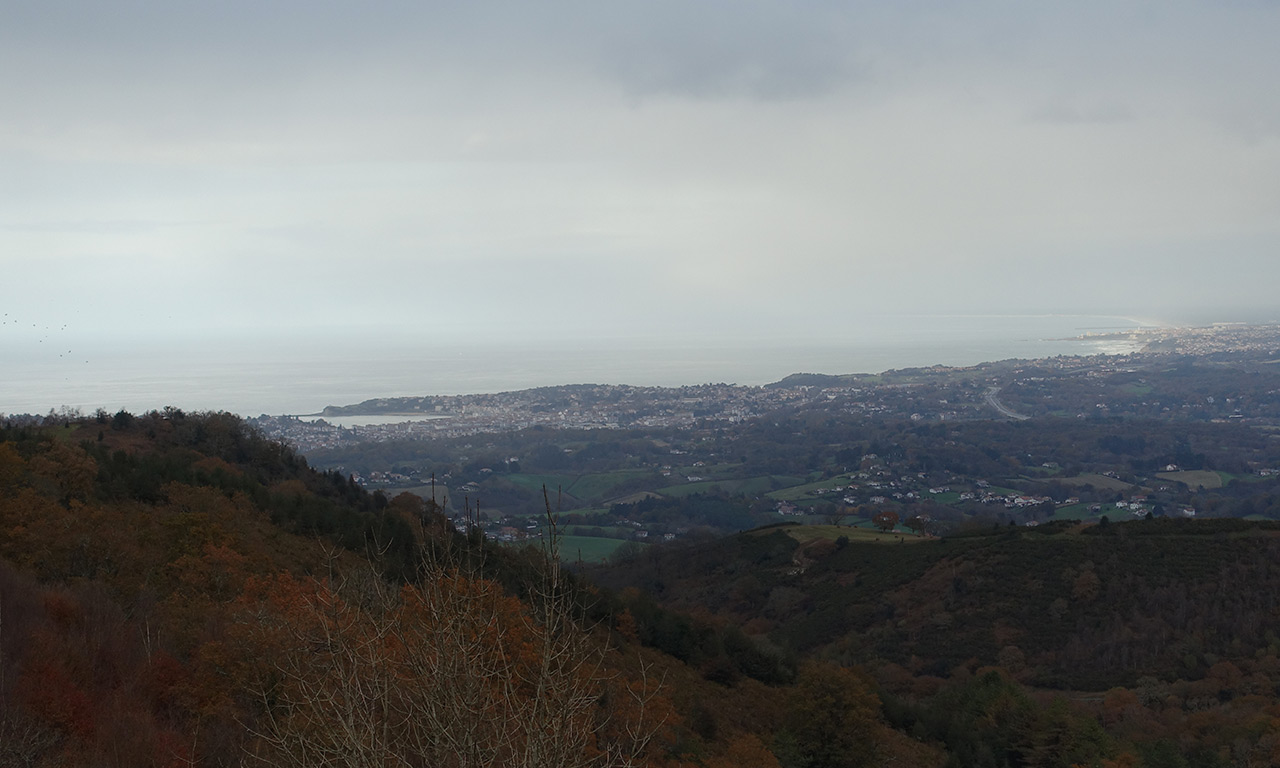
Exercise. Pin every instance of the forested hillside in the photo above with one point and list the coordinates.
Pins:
(177, 590)
(1166, 632)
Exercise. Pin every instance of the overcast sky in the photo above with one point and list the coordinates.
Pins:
(531, 170)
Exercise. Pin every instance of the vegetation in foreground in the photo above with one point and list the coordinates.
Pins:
(176, 590)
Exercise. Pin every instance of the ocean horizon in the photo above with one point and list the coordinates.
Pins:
(251, 378)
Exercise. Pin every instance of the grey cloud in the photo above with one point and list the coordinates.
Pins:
(733, 50)
(628, 154)
(708, 49)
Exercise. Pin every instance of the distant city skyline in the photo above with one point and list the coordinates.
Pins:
(503, 171)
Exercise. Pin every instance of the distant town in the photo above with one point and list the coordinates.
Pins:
(1188, 425)
(924, 394)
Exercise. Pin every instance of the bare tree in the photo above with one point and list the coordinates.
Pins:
(448, 672)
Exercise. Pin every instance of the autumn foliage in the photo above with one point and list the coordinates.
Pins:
(448, 672)
(156, 609)
(181, 592)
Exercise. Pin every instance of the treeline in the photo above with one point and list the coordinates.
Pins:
(713, 511)
(209, 450)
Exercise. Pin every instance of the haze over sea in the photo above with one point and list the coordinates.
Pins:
(252, 377)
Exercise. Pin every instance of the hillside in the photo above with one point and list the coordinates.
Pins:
(1165, 629)
(177, 590)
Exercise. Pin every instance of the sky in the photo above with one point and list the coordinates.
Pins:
(561, 170)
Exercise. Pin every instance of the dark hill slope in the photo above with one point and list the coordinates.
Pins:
(1145, 644)
(177, 590)
(1084, 609)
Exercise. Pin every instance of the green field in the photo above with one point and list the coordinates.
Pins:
(797, 492)
(537, 482)
(1081, 512)
(588, 549)
(633, 498)
(710, 470)
(1193, 478)
(1134, 388)
(597, 486)
(1097, 481)
(590, 487)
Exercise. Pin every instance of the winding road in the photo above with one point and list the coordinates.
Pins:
(993, 400)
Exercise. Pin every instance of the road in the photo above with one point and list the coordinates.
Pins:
(993, 400)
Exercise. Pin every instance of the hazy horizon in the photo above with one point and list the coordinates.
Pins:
(295, 173)
(274, 376)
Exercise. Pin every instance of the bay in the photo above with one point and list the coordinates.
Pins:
(276, 376)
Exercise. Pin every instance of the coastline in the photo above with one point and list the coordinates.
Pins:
(274, 380)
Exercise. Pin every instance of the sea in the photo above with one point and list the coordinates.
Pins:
(255, 376)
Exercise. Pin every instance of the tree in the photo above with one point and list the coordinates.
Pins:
(745, 752)
(11, 468)
(836, 514)
(68, 472)
(830, 720)
(1086, 586)
(1061, 738)
(448, 672)
(886, 520)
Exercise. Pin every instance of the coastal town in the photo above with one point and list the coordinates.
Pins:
(604, 406)
(1183, 426)
(1079, 387)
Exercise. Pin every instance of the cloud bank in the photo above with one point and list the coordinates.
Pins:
(563, 170)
